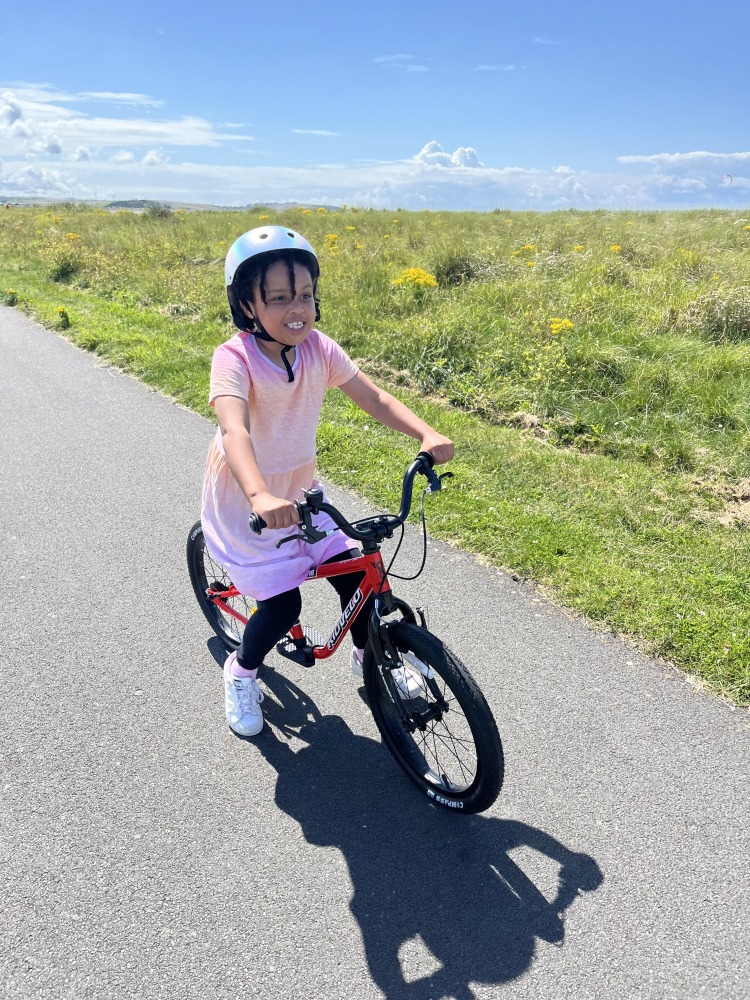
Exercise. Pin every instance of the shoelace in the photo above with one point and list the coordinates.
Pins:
(248, 694)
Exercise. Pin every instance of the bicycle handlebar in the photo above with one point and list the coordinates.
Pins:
(369, 529)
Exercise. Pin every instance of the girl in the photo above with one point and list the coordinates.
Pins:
(267, 387)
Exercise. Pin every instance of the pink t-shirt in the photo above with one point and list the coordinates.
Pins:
(283, 424)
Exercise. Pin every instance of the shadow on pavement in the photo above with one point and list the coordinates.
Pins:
(417, 873)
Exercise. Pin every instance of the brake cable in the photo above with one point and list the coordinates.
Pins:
(397, 576)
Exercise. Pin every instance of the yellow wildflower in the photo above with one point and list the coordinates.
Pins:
(415, 277)
(615, 248)
(557, 325)
(73, 236)
(331, 243)
(262, 218)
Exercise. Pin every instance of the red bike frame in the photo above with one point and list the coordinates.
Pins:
(373, 582)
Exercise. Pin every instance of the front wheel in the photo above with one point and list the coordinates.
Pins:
(435, 721)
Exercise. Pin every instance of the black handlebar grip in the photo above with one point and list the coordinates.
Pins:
(427, 456)
(256, 523)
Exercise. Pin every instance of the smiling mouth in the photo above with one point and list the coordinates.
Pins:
(295, 327)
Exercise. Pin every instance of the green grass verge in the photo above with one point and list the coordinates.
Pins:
(599, 398)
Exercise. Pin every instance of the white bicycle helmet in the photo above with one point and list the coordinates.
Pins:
(267, 239)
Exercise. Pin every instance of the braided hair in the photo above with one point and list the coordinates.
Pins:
(251, 276)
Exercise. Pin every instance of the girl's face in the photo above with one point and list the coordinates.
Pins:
(288, 319)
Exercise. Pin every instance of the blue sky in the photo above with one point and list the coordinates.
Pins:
(442, 105)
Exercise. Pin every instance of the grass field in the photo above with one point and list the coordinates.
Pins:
(593, 368)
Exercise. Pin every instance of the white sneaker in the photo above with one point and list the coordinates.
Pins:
(356, 664)
(242, 698)
(410, 683)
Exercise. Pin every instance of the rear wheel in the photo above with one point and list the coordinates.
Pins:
(435, 721)
(208, 575)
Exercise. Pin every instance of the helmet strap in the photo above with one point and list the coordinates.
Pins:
(290, 373)
(260, 333)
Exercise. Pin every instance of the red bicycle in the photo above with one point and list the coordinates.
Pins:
(442, 732)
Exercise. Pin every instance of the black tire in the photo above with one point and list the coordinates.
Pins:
(205, 574)
(455, 758)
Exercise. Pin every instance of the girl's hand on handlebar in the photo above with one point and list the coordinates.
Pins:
(439, 446)
(275, 511)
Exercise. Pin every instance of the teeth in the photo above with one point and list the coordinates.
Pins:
(295, 326)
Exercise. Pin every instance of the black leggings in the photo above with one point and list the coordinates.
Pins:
(276, 615)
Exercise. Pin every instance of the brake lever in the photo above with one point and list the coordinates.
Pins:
(290, 538)
(309, 533)
(436, 481)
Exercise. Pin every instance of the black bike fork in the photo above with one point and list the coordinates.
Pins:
(387, 657)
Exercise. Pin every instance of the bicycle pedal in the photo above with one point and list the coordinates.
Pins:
(300, 653)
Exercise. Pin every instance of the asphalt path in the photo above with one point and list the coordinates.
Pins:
(147, 852)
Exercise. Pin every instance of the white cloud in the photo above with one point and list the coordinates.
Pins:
(416, 183)
(154, 158)
(10, 109)
(141, 157)
(31, 119)
(102, 132)
(44, 93)
(494, 69)
(20, 131)
(140, 100)
(678, 159)
(403, 62)
(433, 154)
(52, 146)
(313, 131)
(39, 181)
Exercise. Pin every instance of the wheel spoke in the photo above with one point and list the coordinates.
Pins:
(207, 574)
(450, 755)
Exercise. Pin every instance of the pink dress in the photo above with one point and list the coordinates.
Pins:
(283, 425)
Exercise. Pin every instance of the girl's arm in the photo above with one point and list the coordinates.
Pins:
(234, 421)
(387, 410)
